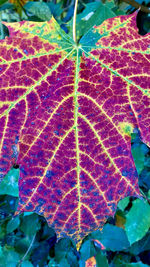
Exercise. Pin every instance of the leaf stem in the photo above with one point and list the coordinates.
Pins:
(144, 196)
(137, 5)
(32, 241)
(74, 21)
(23, 9)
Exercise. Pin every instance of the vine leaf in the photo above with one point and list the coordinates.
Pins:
(67, 114)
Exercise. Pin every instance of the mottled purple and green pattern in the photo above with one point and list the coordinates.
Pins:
(67, 114)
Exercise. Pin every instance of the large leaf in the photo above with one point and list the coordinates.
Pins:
(68, 110)
(136, 229)
(40, 10)
(111, 238)
(114, 238)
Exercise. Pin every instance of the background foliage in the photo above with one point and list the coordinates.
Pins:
(26, 239)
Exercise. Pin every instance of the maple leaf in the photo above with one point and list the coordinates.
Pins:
(67, 114)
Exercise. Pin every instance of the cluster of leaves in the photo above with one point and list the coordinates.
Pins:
(27, 240)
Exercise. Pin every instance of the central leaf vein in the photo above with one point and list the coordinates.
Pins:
(77, 137)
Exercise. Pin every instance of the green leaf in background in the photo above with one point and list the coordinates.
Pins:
(40, 254)
(3, 31)
(118, 11)
(141, 245)
(65, 250)
(114, 238)
(139, 155)
(39, 9)
(22, 245)
(144, 179)
(9, 184)
(123, 203)
(87, 250)
(94, 14)
(137, 220)
(6, 6)
(139, 150)
(13, 224)
(9, 258)
(30, 224)
(101, 260)
(55, 9)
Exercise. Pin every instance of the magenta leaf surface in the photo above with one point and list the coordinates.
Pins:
(67, 114)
